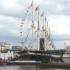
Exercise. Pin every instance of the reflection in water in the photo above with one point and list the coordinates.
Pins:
(9, 67)
(27, 67)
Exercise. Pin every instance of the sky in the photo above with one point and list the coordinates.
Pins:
(57, 12)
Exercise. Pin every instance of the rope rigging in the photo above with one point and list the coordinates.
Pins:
(47, 34)
(27, 35)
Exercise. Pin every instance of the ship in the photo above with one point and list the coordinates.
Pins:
(44, 49)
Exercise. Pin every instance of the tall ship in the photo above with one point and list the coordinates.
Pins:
(40, 46)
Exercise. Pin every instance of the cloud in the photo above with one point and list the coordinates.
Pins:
(11, 12)
(8, 25)
(16, 8)
(11, 8)
(59, 24)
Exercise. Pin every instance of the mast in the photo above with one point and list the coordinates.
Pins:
(38, 29)
(45, 25)
(45, 32)
(38, 18)
(21, 33)
(43, 22)
(42, 38)
(32, 27)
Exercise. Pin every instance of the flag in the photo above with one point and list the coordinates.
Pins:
(27, 11)
(45, 18)
(30, 6)
(47, 23)
(37, 8)
(42, 14)
(22, 19)
(21, 25)
(21, 32)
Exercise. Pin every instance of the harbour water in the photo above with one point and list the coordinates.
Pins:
(28, 67)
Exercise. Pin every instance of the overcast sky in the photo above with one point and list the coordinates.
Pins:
(57, 12)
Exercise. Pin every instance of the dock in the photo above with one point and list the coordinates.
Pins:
(55, 65)
(41, 64)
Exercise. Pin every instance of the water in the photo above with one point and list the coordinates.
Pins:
(27, 67)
